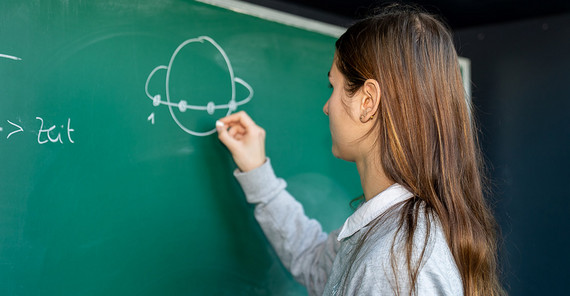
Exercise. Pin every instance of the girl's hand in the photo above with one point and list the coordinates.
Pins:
(244, 139)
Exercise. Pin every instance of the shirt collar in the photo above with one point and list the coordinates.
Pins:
(373, 208)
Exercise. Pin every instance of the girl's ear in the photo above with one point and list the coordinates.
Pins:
(370, 95)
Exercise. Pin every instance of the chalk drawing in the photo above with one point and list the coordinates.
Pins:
(182, 105)
(48, 131)
(45, 135)
(20, 129)
(10, 57)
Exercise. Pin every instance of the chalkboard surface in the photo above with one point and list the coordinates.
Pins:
(111, 181)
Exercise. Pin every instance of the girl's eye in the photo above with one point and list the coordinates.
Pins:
(330, 85)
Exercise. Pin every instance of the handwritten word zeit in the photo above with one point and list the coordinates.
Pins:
(52, 134)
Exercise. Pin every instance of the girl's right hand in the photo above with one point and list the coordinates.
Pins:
(244, 139)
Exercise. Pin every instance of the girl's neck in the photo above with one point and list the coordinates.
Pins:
(372, 177)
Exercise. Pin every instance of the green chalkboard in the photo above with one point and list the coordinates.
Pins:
(111, 183)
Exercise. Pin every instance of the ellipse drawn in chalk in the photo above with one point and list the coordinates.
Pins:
(183, 105)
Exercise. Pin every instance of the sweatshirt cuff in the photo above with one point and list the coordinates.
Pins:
(260, 185)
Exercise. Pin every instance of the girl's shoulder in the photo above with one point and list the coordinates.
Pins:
(384, 252)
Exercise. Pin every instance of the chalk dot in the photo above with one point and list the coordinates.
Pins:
(182, 106)
(156, 100)
(232, 106)
(211, 108)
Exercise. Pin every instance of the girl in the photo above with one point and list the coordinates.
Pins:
(397, 110)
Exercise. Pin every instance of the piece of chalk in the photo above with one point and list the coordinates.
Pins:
(219, 123)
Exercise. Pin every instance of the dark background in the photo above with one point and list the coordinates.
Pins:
(459, 14)
(519, 52)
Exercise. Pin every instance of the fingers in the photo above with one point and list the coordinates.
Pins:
(233, 129)
(241, 118)
(236, 131)
(244, 139)
(235, 126)
(225, 137)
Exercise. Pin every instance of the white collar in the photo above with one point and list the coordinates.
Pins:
(373, 208)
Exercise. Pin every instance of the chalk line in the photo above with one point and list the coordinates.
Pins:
(10, 57)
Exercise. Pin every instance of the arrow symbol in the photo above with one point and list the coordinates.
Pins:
(151, 118)
(20, 129)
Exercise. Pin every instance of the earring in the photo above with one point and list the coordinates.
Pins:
(371, 116)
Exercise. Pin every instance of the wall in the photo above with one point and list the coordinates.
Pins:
(521, 89)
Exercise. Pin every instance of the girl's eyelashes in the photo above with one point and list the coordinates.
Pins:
(330, 85)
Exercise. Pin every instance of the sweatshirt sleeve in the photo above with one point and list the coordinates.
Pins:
(305, 250)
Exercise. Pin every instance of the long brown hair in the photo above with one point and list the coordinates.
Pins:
(426, 137)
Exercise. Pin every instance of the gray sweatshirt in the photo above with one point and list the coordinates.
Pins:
(320, 261)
